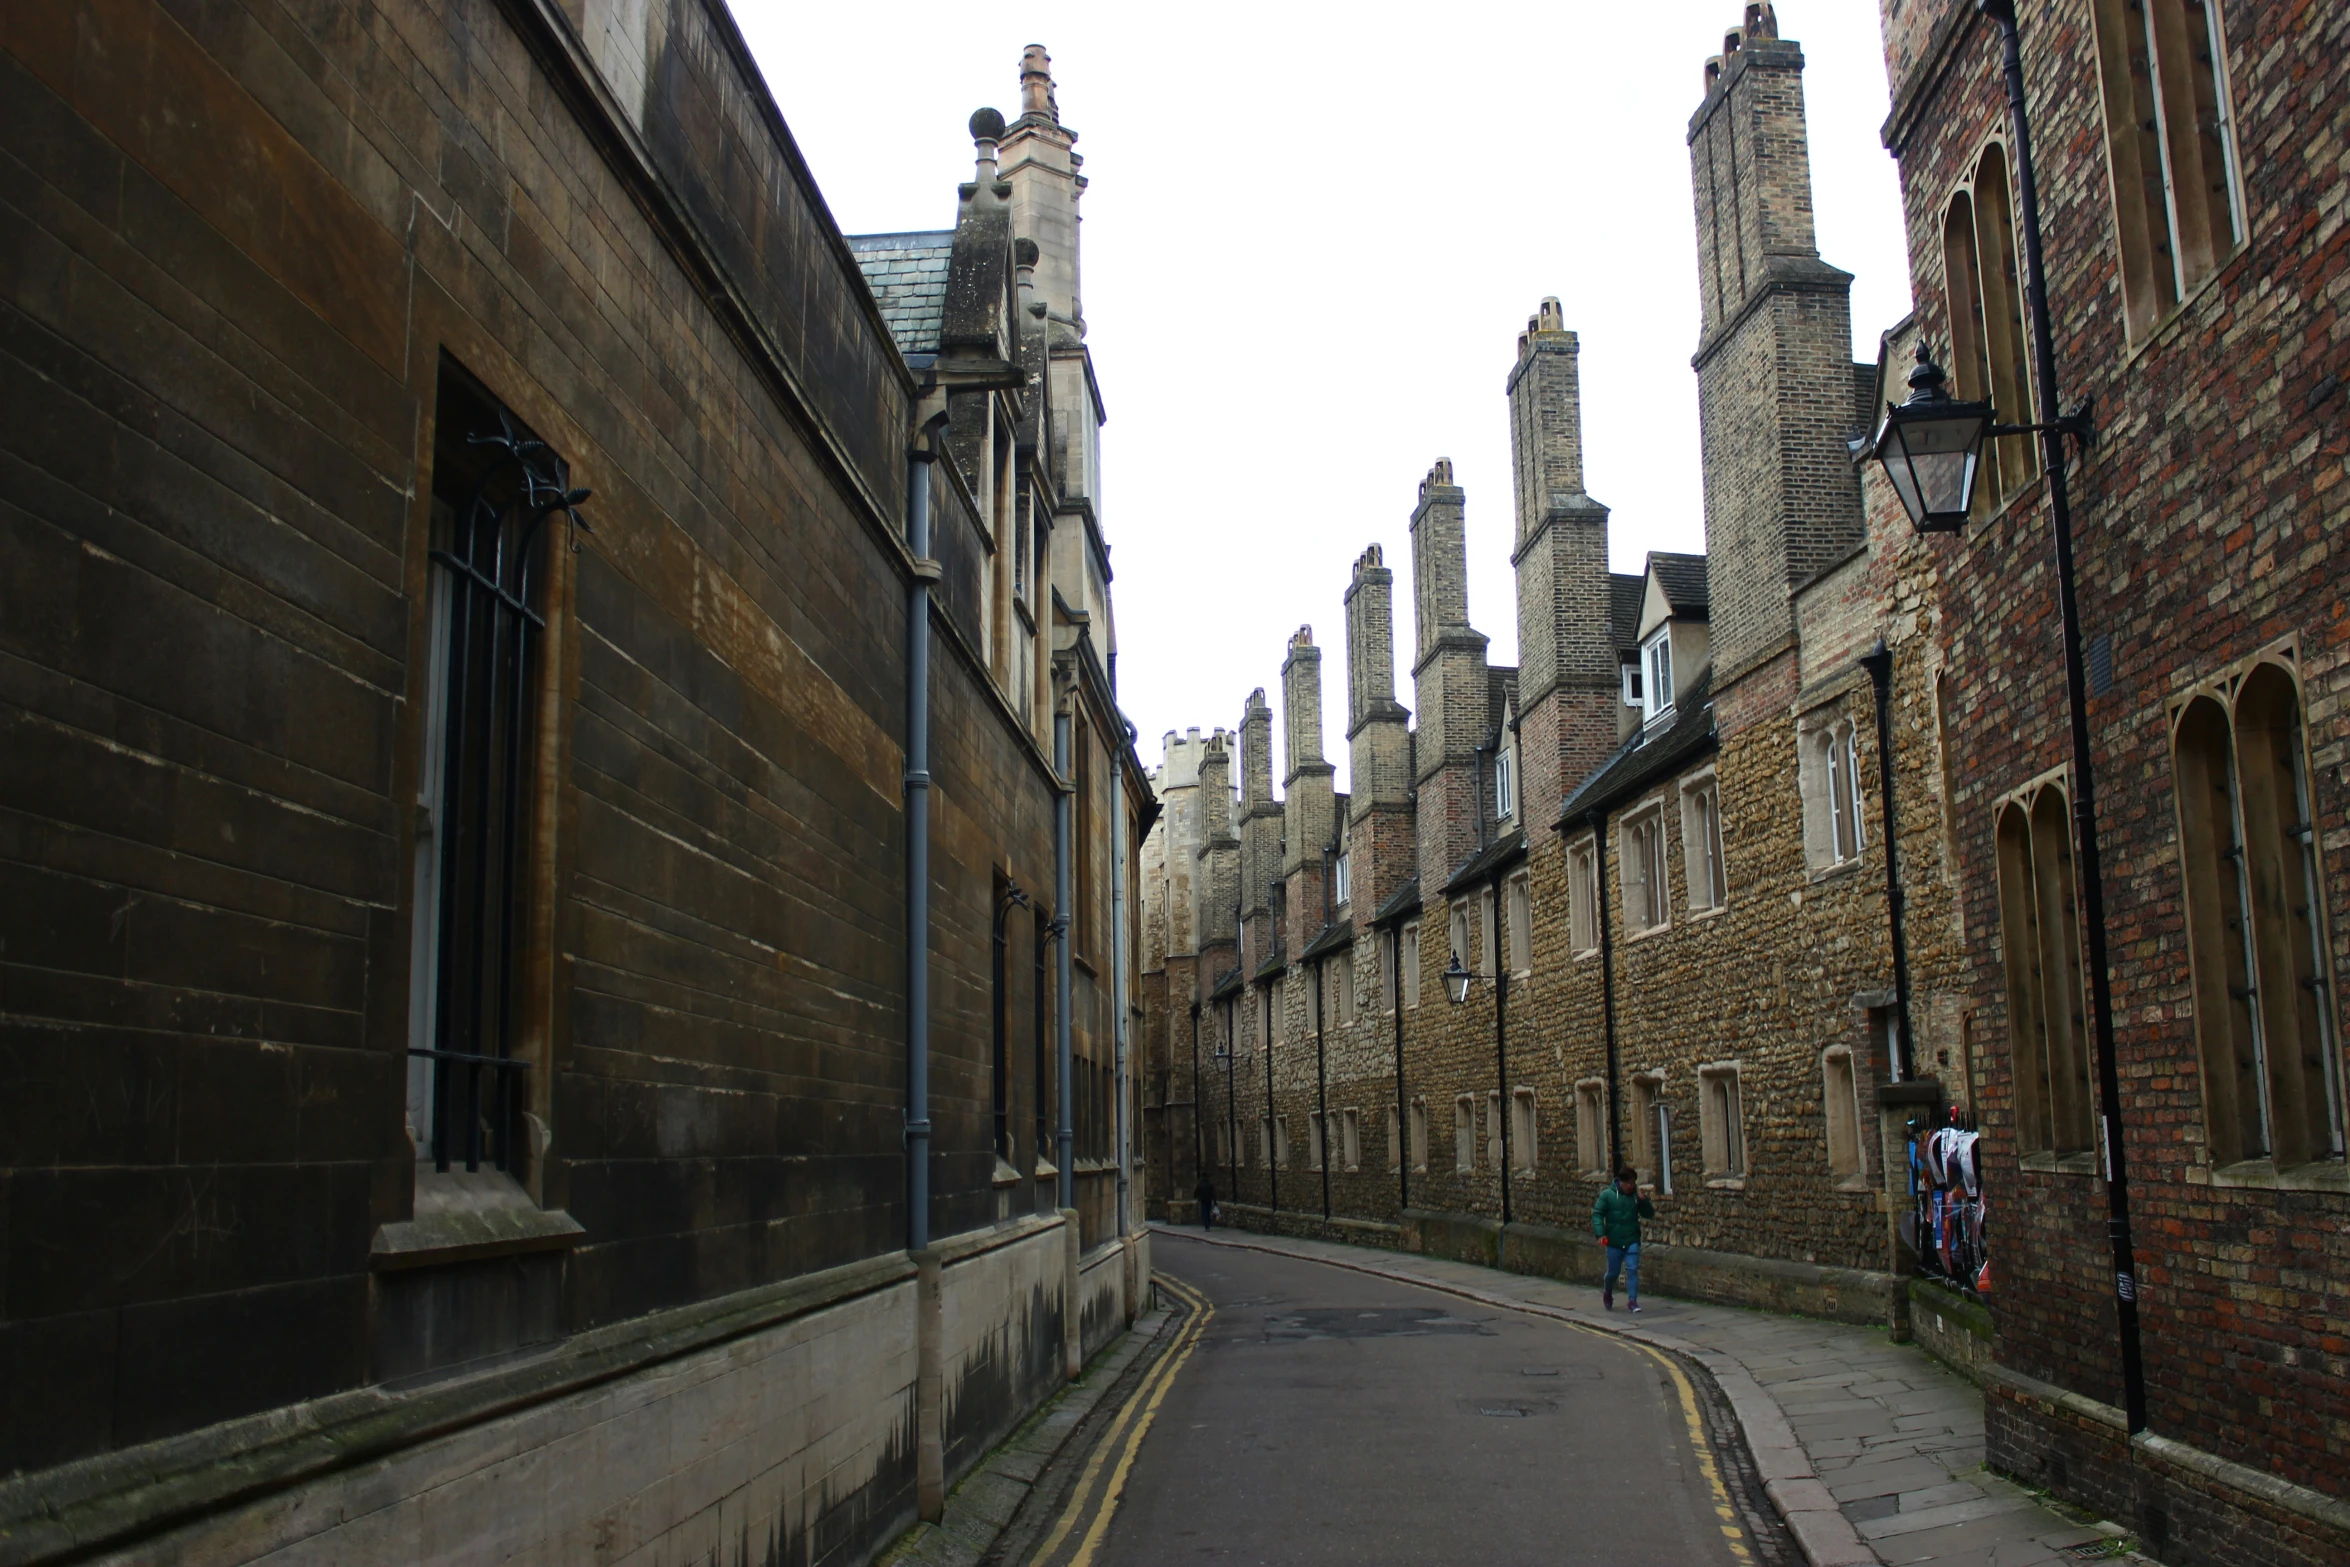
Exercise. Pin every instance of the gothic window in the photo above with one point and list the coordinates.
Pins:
(1983, 291)
(1646, 898)
(498, 494)
(1488, 937)
(1701, 844)
(1350, 1139)
(1461, 952)
(2040, 944)
(1314, 1148)
(1265, 1142)
(1411, 964)
(1505, 789)
(1830, 780)
(1464, 1134)
(1518, 923)
(1647, 1088)
(1522, 1129)
(1583, 896)
(1721, 1123)
(1591, 1127)
(1493, 1128)
(1840, 1100)
(1281, 1142)
(1394, 1140)
(2264, 1014)
(1420, 1135)
(2170, 139)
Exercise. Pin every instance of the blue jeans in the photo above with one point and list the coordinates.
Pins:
(1624, 1260)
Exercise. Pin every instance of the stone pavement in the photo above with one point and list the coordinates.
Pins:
(1872, 1451)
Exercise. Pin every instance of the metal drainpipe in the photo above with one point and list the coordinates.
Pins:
(1118, 954)
(1403, 1124)
(1879, 663)
(1198, 1150)
(1231, 1104)
(1322, 1088)
(1065, 1188)
(1607, 995)
(917, 785)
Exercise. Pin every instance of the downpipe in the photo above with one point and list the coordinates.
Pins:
(1065, 1179)
(930, 1450)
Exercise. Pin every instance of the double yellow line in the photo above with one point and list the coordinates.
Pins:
(1699, 1442)
(1102, 1483)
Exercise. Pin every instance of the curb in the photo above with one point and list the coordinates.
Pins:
(983, 1505)
(1822, 1532)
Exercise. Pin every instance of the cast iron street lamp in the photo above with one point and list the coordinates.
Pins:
(1456, 986)
(1929, 446)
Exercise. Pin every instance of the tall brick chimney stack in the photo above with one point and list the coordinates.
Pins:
(1308, 808)
(1775, 379)
(1379, 741)
(1449, 681)
(1566, 653)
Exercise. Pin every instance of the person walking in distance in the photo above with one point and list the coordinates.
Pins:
(1615, 1219)
(1205, 1192)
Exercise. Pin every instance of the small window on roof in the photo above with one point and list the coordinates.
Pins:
(1632, 685)
(1656, 658)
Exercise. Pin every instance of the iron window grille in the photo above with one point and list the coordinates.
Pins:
(488, 568)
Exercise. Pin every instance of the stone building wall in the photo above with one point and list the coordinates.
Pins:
(269, 272)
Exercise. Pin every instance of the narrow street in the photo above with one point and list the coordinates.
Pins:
(1322, 1416)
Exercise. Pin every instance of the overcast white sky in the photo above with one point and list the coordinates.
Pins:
(1311, 239)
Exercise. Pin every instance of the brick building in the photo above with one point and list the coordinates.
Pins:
(1665, 832)
(2190, 180)
(491, 584)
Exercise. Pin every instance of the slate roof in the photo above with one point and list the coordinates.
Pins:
(1645, 758)
(1335, 937)
(908, 276)
(1482, 865)
(1405, 901)
(1683, 579)
(1625, 590)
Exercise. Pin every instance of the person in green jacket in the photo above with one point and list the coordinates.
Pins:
(1615, 1219)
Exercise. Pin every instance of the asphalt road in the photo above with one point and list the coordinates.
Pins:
(1326, 1416)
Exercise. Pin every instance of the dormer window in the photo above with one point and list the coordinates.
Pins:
(1505, 786)
(1657, 660)
(1632, 685)
(1342, 885)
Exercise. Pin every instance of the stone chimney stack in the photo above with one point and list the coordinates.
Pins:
(1178, 789)
(1309, 822)
(1379, 742)
(1260, 821)
(1566, 653)
(1449, 680)
(1775, 378)
(1214, 883)
(1040, 161)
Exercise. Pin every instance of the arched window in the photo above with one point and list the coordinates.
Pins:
(2265, 1023)
(1983, 292)
(2040, 942)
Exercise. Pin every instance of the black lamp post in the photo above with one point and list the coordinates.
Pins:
(1930, 446)
(1456, 988)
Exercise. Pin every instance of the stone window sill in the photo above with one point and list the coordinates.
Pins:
(1857, 1181)
(2045, 1163)
(1006, 1175)
(1828, 873)
(2325, 1175)
(1725, 1183)
(1653, 930)
(466, 1217)
(1713, 913)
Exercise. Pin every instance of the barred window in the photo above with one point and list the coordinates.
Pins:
(497, 495)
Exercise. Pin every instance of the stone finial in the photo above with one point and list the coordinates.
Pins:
(987, 129)
(1036, 84)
